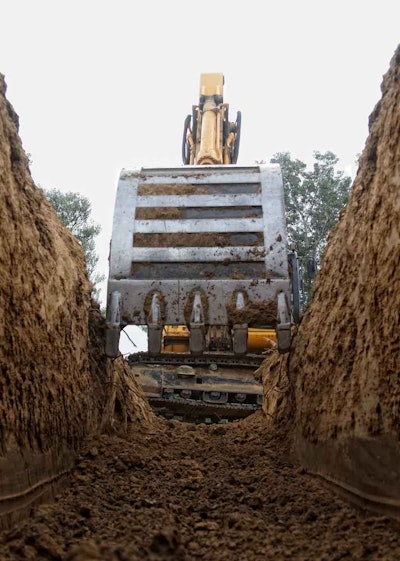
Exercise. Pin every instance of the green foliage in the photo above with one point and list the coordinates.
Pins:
(74, 211)
(313, 200)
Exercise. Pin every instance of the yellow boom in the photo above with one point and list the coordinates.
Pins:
(209, 137)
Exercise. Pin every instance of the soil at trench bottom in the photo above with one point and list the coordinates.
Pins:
(215, 492)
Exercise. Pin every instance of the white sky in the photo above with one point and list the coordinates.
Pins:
(101, 85)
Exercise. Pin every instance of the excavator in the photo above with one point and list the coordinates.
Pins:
(199, 256)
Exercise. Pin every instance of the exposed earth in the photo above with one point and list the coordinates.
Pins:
(179, 491)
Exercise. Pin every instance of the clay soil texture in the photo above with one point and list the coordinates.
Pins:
(180, 491)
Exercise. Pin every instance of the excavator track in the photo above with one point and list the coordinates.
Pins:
(216, 387)
(189, 410)
(220, 359)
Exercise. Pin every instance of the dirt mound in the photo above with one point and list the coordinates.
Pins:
(54, 382)
(126, 404)
(346, 359)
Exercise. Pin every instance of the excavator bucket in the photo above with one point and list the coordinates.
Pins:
(201, 246)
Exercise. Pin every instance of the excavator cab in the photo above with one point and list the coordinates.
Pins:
(199, 256)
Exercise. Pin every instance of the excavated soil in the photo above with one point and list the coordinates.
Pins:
(260, 313)
(198, 240)
(167, 213)
(56, 386)
(52, 392)
(277, 398)
(176, 491)
(179, 189)
(345, 363)
(178, 213)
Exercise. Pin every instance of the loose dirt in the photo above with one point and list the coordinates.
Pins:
(198, 240)
(260, 313)
(176, 491)
(179, 189)
(277, 398)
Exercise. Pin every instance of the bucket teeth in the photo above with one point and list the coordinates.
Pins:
(114, 310)
(113, 323)
(283, 328)
(239, 339)
(197, 316)
(154, 324)
(197, 339)
(240, 302)
(218, 231)
(239, 331)
(154, 317)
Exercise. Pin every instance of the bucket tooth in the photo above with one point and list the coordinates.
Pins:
(239, 330)
(154, 324)
(239, 339)
(113, 324)
(197, 340)
(240, 301)
(283, 328)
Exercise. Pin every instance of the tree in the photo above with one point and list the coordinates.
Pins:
(313, 200)
(74, 211)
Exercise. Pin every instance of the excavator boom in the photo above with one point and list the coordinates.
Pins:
(209, 138)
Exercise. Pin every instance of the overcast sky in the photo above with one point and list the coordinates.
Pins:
(101, 85)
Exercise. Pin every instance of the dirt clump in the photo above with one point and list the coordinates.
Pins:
(211, 239)
(162, 213)
(254, 313)
(277, 396)
(178, 491)
(170, 189)
(345, 364)
(126, 405)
